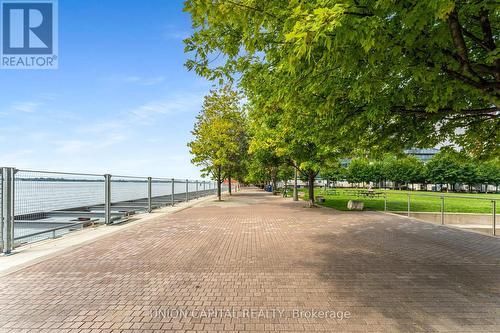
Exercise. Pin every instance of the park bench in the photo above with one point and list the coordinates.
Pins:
(320, 199)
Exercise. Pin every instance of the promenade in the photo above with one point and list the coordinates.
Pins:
(258, 263)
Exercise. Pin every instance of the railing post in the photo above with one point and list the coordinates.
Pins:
(442, 209)
(408, 204)
(150, 200)
(494, 204)
(196, 195)
(385, 202)
(8, 193)
(107, 199)
(173, 192)
(187, 190)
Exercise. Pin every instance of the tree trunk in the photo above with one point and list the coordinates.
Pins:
(295, 190)
(219, 190)
(311, 178)
(274, 180)
(229, 188)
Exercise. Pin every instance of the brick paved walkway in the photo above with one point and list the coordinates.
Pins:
(256, 253)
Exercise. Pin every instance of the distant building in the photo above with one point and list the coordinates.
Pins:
(422, 154)
(344, 163)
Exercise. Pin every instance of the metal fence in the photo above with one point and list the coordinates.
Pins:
(37, 205)
(477, 213)
(473, 212)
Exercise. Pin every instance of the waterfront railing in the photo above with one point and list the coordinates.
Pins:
(37, 205)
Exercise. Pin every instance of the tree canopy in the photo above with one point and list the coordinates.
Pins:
(220, 143)
(325, 79)
(388, 74)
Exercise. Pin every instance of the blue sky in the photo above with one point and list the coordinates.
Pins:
(120, 102)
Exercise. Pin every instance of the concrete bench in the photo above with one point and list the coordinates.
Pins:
(320, 199)
(355, 205)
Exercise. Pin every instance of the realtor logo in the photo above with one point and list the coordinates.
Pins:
(29, 34)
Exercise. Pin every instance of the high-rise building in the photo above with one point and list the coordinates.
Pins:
(422, 154)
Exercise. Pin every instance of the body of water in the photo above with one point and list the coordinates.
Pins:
(43, 196)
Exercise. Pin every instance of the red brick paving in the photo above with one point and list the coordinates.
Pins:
(257, 253)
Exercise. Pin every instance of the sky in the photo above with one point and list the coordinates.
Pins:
(121, 101)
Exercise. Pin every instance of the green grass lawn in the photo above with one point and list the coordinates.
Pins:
(398, 201)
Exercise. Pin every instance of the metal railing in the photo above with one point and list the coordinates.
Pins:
(37, 205)
(440, 206)
(474, 212)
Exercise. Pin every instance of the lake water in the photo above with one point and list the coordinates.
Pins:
(34, 196)
(42, 196)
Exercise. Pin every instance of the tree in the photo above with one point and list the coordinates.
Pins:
(489, 173)
(358, 171)
(286, 172)
(467, 172)
(264, 145)
(217, 146)
(383, 72)
(237, 159)
(377, 172)
(292, 130)
(442, 168)
(405, 170)
(333, 172)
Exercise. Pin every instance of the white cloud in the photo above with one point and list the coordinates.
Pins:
(18, 158)
(174, 33)
(82, 146)
(144, 81)
(26, 107)
(138, 80)
(174, 105)
(73, 146)
(49, 96)
(177, 35)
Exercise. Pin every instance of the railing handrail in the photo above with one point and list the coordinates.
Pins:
(66, 226)
(61, 173)
(180, 180)
(416, 193)
(449, 196)
(10, 175)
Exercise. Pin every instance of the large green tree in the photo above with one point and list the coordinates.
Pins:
(291, 129)
(359, 171)
(388, 74)
(219, 143)
(408, 169)
(443, 168)
(489, 173)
